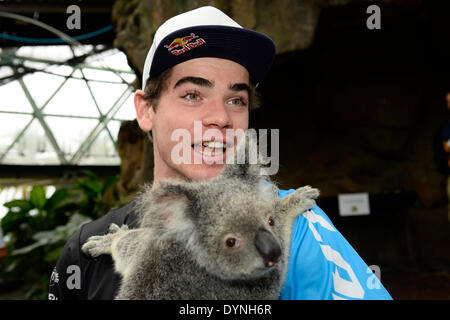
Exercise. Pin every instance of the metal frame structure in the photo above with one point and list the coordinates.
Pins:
(16, 62)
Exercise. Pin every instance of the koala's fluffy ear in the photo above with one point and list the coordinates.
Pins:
(174, 202)
(298, 201)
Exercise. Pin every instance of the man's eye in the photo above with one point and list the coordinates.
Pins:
(238, 102)
(191, 96)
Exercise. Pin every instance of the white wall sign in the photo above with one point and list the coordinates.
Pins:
(354, 204)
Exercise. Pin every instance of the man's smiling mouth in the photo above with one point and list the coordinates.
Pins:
(211, 148)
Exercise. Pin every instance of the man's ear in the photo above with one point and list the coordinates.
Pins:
(144, 111)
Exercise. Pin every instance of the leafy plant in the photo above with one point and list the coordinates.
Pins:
(55, 236)
(95, 201)
(25, 217)
(38, 228)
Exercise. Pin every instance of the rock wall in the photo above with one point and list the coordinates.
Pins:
(290, 23)
(136, 153)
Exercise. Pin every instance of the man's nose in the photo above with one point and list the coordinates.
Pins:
(217, 115)
(268, 247)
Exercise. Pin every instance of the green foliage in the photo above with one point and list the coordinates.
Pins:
(55, 236)
(94, 201)
(38, 228)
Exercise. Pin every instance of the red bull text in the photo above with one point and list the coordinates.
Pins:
(185, 44)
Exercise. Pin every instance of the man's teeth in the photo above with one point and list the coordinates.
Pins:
(213, 144)
(211, 152)
(212, 148)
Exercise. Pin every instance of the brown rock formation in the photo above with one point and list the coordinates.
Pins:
(136, 153)
(291, 24)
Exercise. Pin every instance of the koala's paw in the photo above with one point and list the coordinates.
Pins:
(307, 204)
(113, 228)
(309, 192)
(98, 245)
(300, 200)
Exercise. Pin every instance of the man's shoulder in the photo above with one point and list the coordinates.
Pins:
(98, 280)
(122, 215)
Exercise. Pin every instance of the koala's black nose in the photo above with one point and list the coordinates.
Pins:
(268, 247)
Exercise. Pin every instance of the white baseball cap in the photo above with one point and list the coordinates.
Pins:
(208, 32)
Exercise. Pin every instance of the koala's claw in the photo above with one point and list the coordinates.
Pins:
(98, 245)
(300, 200)
(113, 228)
(309, 192)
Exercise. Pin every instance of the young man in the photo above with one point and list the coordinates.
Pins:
(202, 69)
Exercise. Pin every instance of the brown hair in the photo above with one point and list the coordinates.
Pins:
(156, 86)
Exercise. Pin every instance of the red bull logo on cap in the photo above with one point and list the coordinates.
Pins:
(183, 44)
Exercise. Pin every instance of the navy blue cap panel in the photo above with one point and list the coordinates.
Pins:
(251, 49)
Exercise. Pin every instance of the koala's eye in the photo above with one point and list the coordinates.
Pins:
(232, 243)
(271, 222)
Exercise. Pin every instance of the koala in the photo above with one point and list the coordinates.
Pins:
(223, 238)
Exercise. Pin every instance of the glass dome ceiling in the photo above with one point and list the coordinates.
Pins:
(63, 105)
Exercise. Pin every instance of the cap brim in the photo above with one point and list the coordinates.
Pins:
(251, 49)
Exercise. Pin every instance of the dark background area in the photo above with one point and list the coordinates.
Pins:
(96, 14)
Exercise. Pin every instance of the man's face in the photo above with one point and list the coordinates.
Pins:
(213, 93)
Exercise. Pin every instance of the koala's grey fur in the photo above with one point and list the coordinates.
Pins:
(179, 251)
